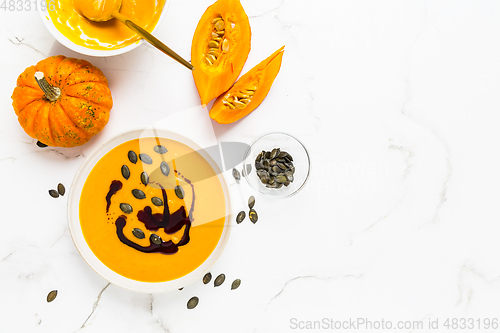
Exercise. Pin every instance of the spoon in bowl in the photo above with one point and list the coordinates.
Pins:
(105, 10)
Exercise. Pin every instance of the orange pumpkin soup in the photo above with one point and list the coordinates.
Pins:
(152, 209)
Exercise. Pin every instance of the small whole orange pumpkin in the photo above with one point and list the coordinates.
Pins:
(62, 102)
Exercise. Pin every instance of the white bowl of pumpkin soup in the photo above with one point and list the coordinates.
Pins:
(100, 39)
(148, 212)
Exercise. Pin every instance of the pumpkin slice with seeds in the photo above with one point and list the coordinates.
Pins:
(221, 44)
(248, 92)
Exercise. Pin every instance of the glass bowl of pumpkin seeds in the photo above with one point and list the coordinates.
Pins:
(277, 164)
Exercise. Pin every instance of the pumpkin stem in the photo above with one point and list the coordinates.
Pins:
(51, 93)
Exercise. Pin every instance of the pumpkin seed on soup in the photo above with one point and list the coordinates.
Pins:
(253, 216)
(160, 149)
(179, 192)
(165, 169)
(144, 178)
(155, 239)
(132, 156)
(125, 172)
(193, 302)
(236, 283)
(207, 278)
(219, 280)
(157, 201)
(145, 159)
(138, 194)
(51, 296)
(138, 233)
(61, 189)
(53, 193)
(126, 208)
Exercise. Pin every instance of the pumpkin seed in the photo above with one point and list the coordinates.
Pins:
(41, 145)
(215, 35)
(280, 185)
(125, 172)
(289, 175)
(253, 216)
(239, 105)
(155, 239)
(247, 92)
(144, 178)
(251, 88)
(259, 166)
(272, 162)
(216, 19)
(61, 189)
(276, 169)
(240, 217)
(221, 32)
(220, 25)
(211, 58)
(236, 283)
(259, 157)
(179, 192)
(213, 43)
(138, 233)
(282, 166)
(286, 183)
(181, 288)
(160, 149)
(126, 208)
(225, 45)
(157, 201)
(132, 156)
(275, 152)
(219, 280)
(51, 296)
(207, 278)
(244, 100)
(231, 106)
(281, 178)
(214, 53)
(53, 194)
(251, 202)
(209, 63)
(138, 194)
(271, 180)
(236, 174)
(193, 302)
(165, 169)
(268, 155)
(145, 159)
(282, 154)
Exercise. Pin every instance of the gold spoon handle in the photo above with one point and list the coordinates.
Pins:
(152, 39)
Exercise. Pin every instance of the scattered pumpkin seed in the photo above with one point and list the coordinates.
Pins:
(125, 172)
(61, 189)
(240, 217)
(193, 302)
(138, 233)
(41, 145)
(126, 208)
(253, 216)
(236, 174)
(181, 288)
(236, 283)
(157, 201)
(207, 278)
(145, 159)
(251, 202)
(219, 280)
(160, 149)
(54, 194)
(132, 156)
(179, 192)
(51, 296)
(165, 169)
(144, 178)
(155, 239)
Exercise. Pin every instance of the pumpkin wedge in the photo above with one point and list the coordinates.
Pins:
(248, 92)
(220, 47)
(62, 102)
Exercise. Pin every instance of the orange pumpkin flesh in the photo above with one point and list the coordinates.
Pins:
(80, 110)
(248, 92)
(225, 60)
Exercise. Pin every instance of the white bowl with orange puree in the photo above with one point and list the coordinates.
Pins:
(175, 225)
(100, 39)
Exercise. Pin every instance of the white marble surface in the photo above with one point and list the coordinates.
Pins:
(398, 104)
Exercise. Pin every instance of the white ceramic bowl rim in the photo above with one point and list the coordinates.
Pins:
(86, 252)
(47, 21)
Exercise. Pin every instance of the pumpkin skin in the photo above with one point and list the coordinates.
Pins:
(259, 80)
(213, 80)
(81, 110)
